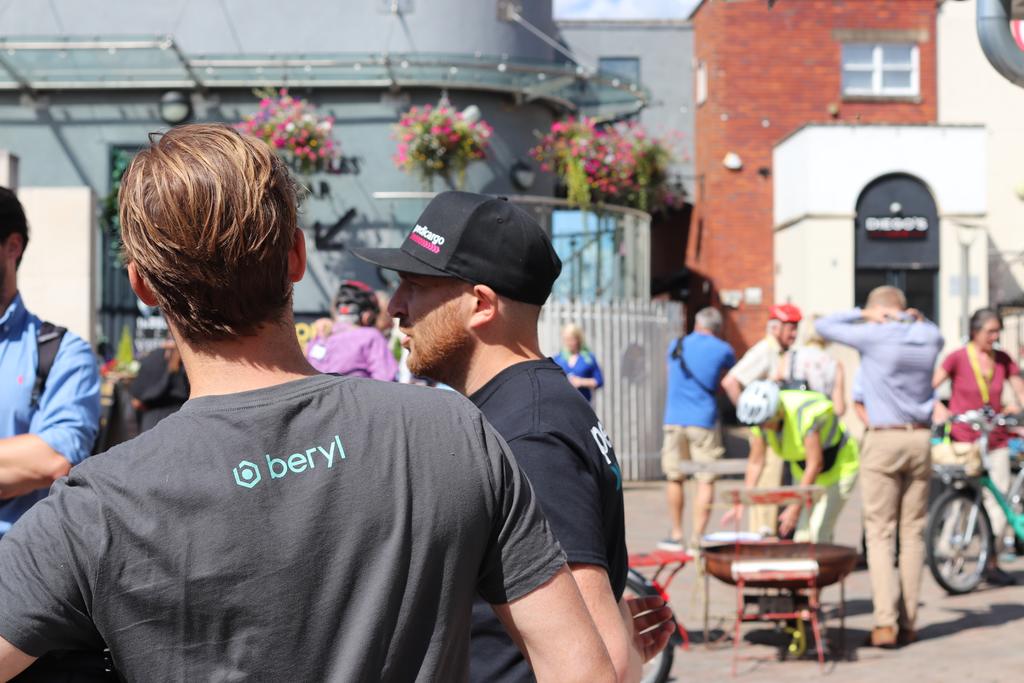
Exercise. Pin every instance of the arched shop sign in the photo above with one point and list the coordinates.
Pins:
(897, 224)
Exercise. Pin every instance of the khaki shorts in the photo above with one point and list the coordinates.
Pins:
(700, 445)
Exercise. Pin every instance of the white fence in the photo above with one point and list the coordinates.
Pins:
(629, 340)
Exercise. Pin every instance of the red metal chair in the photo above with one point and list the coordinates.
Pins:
(762, 572)
(669, 562)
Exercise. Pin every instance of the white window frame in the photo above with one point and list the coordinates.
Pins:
(701, 83)
(877, 69)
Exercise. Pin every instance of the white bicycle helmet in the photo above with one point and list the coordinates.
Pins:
(758, 402)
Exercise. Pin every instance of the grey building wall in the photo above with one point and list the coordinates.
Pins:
(665, 50)
(66, 139)
(275, 26)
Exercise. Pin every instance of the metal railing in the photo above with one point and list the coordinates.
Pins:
(629, 339)
(47, 63)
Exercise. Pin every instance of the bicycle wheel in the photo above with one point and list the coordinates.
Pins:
(657, 670)
(958, 541)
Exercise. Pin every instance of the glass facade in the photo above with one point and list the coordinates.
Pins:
(150, 62)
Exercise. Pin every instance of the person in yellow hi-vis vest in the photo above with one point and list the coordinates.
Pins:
(802, 429)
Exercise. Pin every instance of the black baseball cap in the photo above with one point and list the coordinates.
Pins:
(480, 239)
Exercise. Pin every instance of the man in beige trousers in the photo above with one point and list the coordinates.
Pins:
(898, 349)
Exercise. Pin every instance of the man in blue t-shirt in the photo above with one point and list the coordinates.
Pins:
(44, 430)
(696, 364)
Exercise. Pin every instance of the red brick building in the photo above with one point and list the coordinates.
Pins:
(763, 73)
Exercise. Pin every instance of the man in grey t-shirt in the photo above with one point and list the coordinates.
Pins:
(283, 524)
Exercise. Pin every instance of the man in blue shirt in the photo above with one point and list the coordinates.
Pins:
(38, 443)
(696, 364)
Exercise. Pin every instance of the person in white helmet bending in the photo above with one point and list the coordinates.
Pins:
(801, 428)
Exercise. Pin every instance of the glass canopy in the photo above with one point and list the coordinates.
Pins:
(47, 64)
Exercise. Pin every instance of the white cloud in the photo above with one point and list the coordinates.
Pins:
(623, 9)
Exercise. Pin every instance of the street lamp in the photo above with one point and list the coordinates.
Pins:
(175, 107)
(965, 235)
(522, 175)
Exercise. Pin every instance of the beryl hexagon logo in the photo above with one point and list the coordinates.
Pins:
(247, 474)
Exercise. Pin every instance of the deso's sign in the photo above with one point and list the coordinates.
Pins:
(896, 227)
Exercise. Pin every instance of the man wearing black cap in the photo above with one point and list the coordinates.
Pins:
(475, 272)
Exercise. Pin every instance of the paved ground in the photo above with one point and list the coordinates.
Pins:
(976, 637)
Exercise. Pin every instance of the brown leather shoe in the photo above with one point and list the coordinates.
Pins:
(883, 636)
(907, 636)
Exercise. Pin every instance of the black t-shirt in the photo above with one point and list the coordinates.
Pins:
(568, 458)
(327, 529)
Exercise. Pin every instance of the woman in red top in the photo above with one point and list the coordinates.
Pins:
(978, 372)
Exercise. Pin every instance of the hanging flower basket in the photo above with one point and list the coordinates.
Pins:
(441, 142)
(291, 126)
(608, 164)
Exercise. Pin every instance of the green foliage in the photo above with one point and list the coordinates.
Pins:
(110, 222)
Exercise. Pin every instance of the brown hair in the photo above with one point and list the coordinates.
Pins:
(208, 217)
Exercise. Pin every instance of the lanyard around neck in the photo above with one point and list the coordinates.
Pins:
(979, 377)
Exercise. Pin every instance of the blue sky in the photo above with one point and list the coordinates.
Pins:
(623, 9)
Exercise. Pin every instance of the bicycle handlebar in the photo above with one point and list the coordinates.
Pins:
(986, 419)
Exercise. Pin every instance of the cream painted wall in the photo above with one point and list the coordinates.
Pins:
(822, 169)
(57, 271)
(814, 264)
(971, 91)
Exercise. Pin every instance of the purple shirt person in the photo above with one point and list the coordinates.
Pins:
(354, 347)
(354, 351)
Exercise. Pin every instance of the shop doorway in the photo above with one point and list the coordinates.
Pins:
(920, 286)
(897, 241)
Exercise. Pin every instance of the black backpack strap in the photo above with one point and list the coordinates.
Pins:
(677, 353)
(48, 341)
(790, 381)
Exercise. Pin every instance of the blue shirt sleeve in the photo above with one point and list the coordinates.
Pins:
(844, 327)
(562, 362)
(69, 409)
(598, 377)
(730, 360)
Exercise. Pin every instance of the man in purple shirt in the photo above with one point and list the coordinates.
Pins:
(354, 346)
(898, 348)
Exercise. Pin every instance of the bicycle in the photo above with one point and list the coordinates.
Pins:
(959, 539)
(667, 565)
